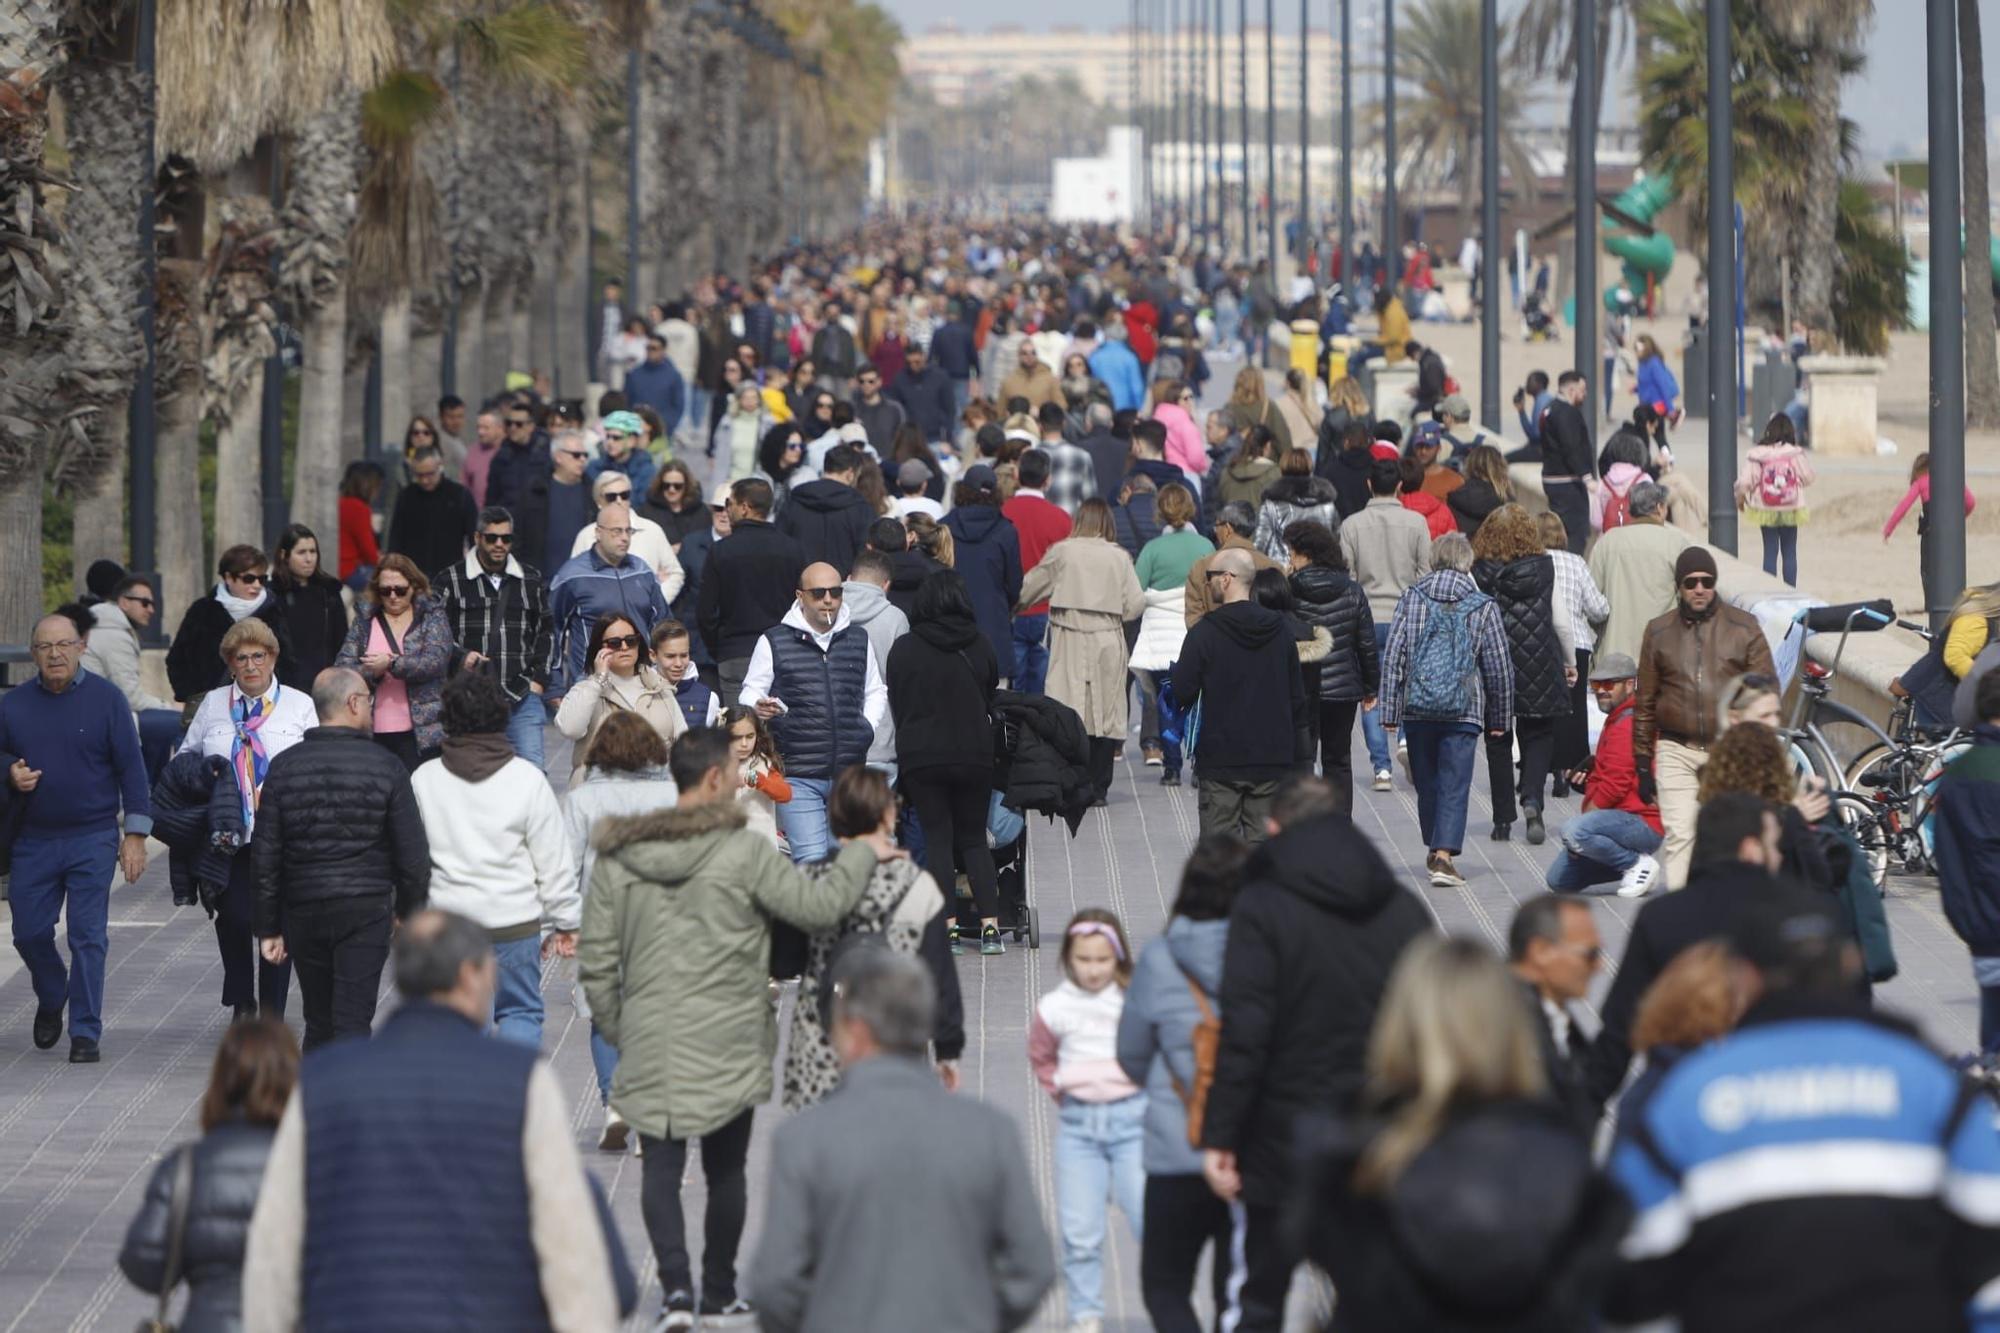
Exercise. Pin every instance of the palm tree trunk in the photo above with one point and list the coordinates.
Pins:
(353, 365)
(397, 404)
(21, 553)
(498, 312)
(99, 521)
(520, 325)
(184, 566)
(1812, 279)
(239, 472)
(472, 385)
(319, 460)
(1982, 358)
(571, 277)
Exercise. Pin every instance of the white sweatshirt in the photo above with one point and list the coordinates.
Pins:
(499, 852)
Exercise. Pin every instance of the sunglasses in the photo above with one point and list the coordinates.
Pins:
(613, 497)
(497, 538)
(1695, 581)
(832, 594)
(573, 453)
(619, 642)
(421, 433)
(146, 602)
(400, 591)
(523, 421)
(248, 578)
(673, 486)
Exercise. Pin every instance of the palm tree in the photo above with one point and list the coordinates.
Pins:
(1982, 359)
(1871, 275)
(1437, 54)
(32, 335)
(1544, 39)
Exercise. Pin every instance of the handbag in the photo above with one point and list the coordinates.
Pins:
(177, 1216)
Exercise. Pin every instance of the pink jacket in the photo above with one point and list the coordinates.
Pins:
(1920, 489)
(1185, 449)
(1621, 478)
(1750, 495)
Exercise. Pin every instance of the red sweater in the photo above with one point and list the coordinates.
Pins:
(1614, 779)
(1040, 525)
(357, 536)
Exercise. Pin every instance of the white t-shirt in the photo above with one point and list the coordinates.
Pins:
(907, 505)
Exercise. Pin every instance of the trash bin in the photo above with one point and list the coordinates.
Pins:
(1305, 347)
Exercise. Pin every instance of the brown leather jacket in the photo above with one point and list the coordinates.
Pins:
(1684, 666)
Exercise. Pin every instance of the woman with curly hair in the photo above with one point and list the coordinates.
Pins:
(1511, 565)
(1751, 757)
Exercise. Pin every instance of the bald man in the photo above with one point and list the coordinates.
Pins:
(811, 675)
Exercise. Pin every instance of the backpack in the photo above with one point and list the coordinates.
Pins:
(1443, 675)
(1778, 483)
(1207, 1043)
(1617, 507)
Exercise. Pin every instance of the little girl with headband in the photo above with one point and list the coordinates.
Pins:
(1073, 1047)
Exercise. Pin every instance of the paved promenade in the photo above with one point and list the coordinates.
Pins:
(77, 1144)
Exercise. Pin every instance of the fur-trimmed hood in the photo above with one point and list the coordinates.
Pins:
(668, 846)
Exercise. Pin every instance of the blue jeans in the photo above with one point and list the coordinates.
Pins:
(1371, 721)
(961, 394)
(524, 728)
(159, 730)
(803, 820)
(1031, 654)
(47, 871)
(1599, 846)
(1098, 1156)
(517, 998)
(604, 1059)
(696, 416)
(1441, 757)
(1782, 544)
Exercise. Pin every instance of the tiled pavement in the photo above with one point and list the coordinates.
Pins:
(77, 1144)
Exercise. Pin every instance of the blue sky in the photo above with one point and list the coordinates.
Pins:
(1879, 100)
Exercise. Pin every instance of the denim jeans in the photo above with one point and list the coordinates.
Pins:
(1149, 705)
(48, 872)
(1371, 721)
(524, 728)
(961, 394)
(1781, 544)
(1441, 758)
(803, 820)
(1599, 846)
(603, 1059)
(1031, 653)
(159, 730)
(1098, 1156)
(517, 998)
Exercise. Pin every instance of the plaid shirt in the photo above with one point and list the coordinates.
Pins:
(509, 624)
(1072, 476)
(1493, 702)
(1578, 597)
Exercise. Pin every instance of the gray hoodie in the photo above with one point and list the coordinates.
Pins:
(1156, 1033)
(868, 606)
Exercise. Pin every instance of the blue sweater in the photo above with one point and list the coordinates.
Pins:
(86, 746)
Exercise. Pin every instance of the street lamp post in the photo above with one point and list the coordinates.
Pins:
(1944, 573)
(1392, 225)
(1243, 118)
(1721, 285)
(1305, 135)
(1270, 139)
(1346, 139)
(1489, 211)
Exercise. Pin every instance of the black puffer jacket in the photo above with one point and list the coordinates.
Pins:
(1524, 590)
(1471, 503)
(1048, 768)
(194, 659)
(228, 1172)
(1332, 600)
(318, 620)
(337, 820)
(194, 800)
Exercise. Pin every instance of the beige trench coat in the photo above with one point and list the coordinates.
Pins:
(1092, 592)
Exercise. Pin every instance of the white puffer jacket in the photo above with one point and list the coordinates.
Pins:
(1161, 628)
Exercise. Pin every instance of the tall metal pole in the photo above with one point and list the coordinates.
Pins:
(1721, 285)
(1132, 102)
(1305, 135)
(1588, 363)
(1221, 133)
(1392, 222)
(1201, 115)
(1345, 76)
(1489, 211)
(1946, 572)
(143, 416)
(1168, 80)
(633, 296)
(1243, 119)
(1270, 140)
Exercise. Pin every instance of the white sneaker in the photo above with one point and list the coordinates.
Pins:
(1090, 1323)
(1383, 781)
(617, 1134)
(1639, 878)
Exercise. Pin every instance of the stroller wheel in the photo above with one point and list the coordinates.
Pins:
(1034, 928)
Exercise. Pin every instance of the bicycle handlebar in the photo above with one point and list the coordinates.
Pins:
(1848, 617)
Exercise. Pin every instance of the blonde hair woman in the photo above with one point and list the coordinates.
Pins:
(1467, 1153)
(1088, 582)
(1252, 406)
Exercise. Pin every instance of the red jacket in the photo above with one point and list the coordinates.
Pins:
(1142, 331)
(1040, 524)
(357, 536)
(1436, 514)
(1614, 780)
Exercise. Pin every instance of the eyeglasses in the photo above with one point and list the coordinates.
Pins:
(247, 578)
(614, 532)
(419, 433)
(614, 435)
(424, 478)
(1606, 686)
(57, 645)
(519, 421)
(673, 486)
(497, 538)
(1696, 581)
(832, 594)
(146, 602)
(573, 453)
(614, 497)
(250, 659)
(386, 590)
(619, 642)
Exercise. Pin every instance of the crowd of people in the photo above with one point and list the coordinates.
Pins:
(855, 566)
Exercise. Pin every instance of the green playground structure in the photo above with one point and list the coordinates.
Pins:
(1649, 255)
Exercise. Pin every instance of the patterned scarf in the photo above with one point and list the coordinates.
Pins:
(247, 759)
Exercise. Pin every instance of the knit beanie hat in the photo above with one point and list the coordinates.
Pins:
(1695, 560)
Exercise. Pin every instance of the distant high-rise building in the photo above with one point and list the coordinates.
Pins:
(956, 66)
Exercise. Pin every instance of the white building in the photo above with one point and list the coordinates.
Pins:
(956, 66)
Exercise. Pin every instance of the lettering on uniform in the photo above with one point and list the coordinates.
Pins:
(1730, 1103)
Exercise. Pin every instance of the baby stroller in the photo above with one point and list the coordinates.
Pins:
(1007, 836)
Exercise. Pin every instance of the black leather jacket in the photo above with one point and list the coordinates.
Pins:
(228, 1171)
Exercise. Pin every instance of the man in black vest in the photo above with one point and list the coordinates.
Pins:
(810, 677)
(433, 1171)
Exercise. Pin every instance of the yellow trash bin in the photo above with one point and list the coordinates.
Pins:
(1305, 347)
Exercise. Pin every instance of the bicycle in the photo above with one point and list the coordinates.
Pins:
(1815, 697)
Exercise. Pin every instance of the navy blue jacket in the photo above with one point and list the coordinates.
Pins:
(1967, 828)
(83, 743)
(926, 400)
(952, 351)
(987, 554)
(659, 387)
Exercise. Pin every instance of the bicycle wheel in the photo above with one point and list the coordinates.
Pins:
(1863, 819)
(1868, 761)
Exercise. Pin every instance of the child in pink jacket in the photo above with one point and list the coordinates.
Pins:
(1771, 493)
